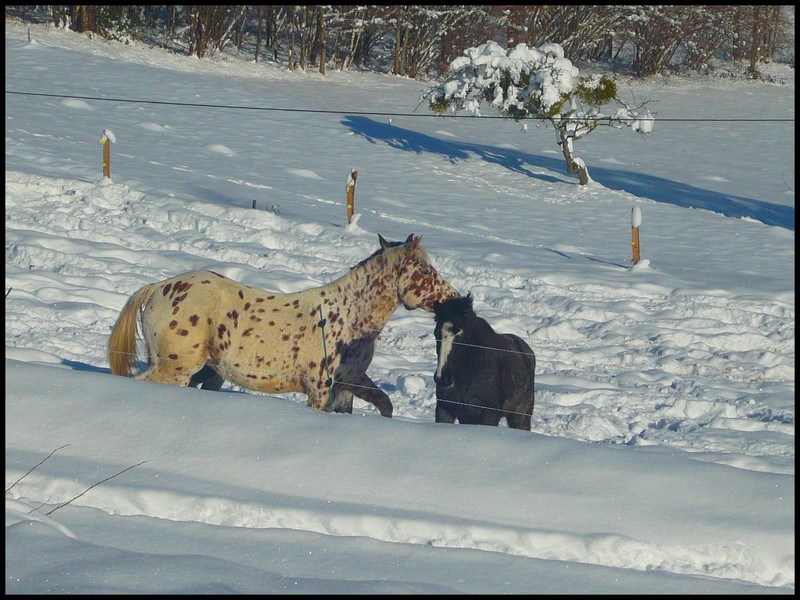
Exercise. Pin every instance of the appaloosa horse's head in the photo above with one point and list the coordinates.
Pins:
(419, 284)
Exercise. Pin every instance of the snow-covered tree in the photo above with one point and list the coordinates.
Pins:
(536, 83)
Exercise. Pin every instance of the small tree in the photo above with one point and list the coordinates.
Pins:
(536, 83)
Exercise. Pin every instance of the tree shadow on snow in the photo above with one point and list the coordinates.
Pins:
(638, 184)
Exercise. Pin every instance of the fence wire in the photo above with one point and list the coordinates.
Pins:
(397, 114)
(334, 381)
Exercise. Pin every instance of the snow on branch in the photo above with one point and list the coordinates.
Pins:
(525, 82)
(535, 83)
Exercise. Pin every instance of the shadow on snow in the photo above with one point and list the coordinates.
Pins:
(638, 184)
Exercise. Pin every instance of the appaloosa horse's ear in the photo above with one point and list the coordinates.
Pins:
(412, 242)
(383, 242)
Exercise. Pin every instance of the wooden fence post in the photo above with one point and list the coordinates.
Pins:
(351, 195)
(106, 158)
(636, 221)
(107, 139)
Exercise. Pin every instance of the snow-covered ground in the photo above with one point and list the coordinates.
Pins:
(661, 454)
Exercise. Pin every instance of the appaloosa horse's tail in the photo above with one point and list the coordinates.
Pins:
(122, 343)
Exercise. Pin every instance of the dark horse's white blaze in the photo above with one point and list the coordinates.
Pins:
(271, 342)
(445, 346)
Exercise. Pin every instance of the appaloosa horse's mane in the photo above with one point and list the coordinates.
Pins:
(384, 247)
(273, 342)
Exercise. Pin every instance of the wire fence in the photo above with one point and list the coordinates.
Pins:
(394, 114)
(332, 382)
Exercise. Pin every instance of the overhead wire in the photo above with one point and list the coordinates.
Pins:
(386, 113)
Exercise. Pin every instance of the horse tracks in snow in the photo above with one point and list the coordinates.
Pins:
(701, 371)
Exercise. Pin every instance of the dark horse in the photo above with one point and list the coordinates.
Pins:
(482, 376)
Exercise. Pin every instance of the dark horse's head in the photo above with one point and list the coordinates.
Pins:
(456, 311)
(453, 317)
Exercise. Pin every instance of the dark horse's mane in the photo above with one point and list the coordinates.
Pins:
(455, 309)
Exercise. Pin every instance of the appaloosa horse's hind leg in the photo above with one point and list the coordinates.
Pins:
(367, 390)
(165, 374)
(168, 364)
(207, 379)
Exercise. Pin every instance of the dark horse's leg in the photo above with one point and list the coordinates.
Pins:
(442, 414)
(471, 413)
(519, 421)
(470, 420)
(520, 408)
(208, 379)
(492, 416)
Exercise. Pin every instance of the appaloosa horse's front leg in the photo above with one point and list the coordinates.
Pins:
(342, 399)
(367, 390)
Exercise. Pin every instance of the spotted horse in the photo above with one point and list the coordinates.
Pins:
(272, 342)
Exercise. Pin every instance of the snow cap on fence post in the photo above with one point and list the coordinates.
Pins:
(636, 221)
(351, 193)
(107, 139)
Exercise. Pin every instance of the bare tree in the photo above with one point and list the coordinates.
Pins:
(477, 23)
(292, 20)
(260, 11)
(211, 27)
(311, 27)
(707, 29)
(278, 23)
(352, 21)
(322, 39)
(400, 39)
(77, 17)
(305, 33)
(656, 32)
(422, 40)
(419, 32)
(169, 31)
(84, 17)
(60, 14)
(373, 30)
(579, 28)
